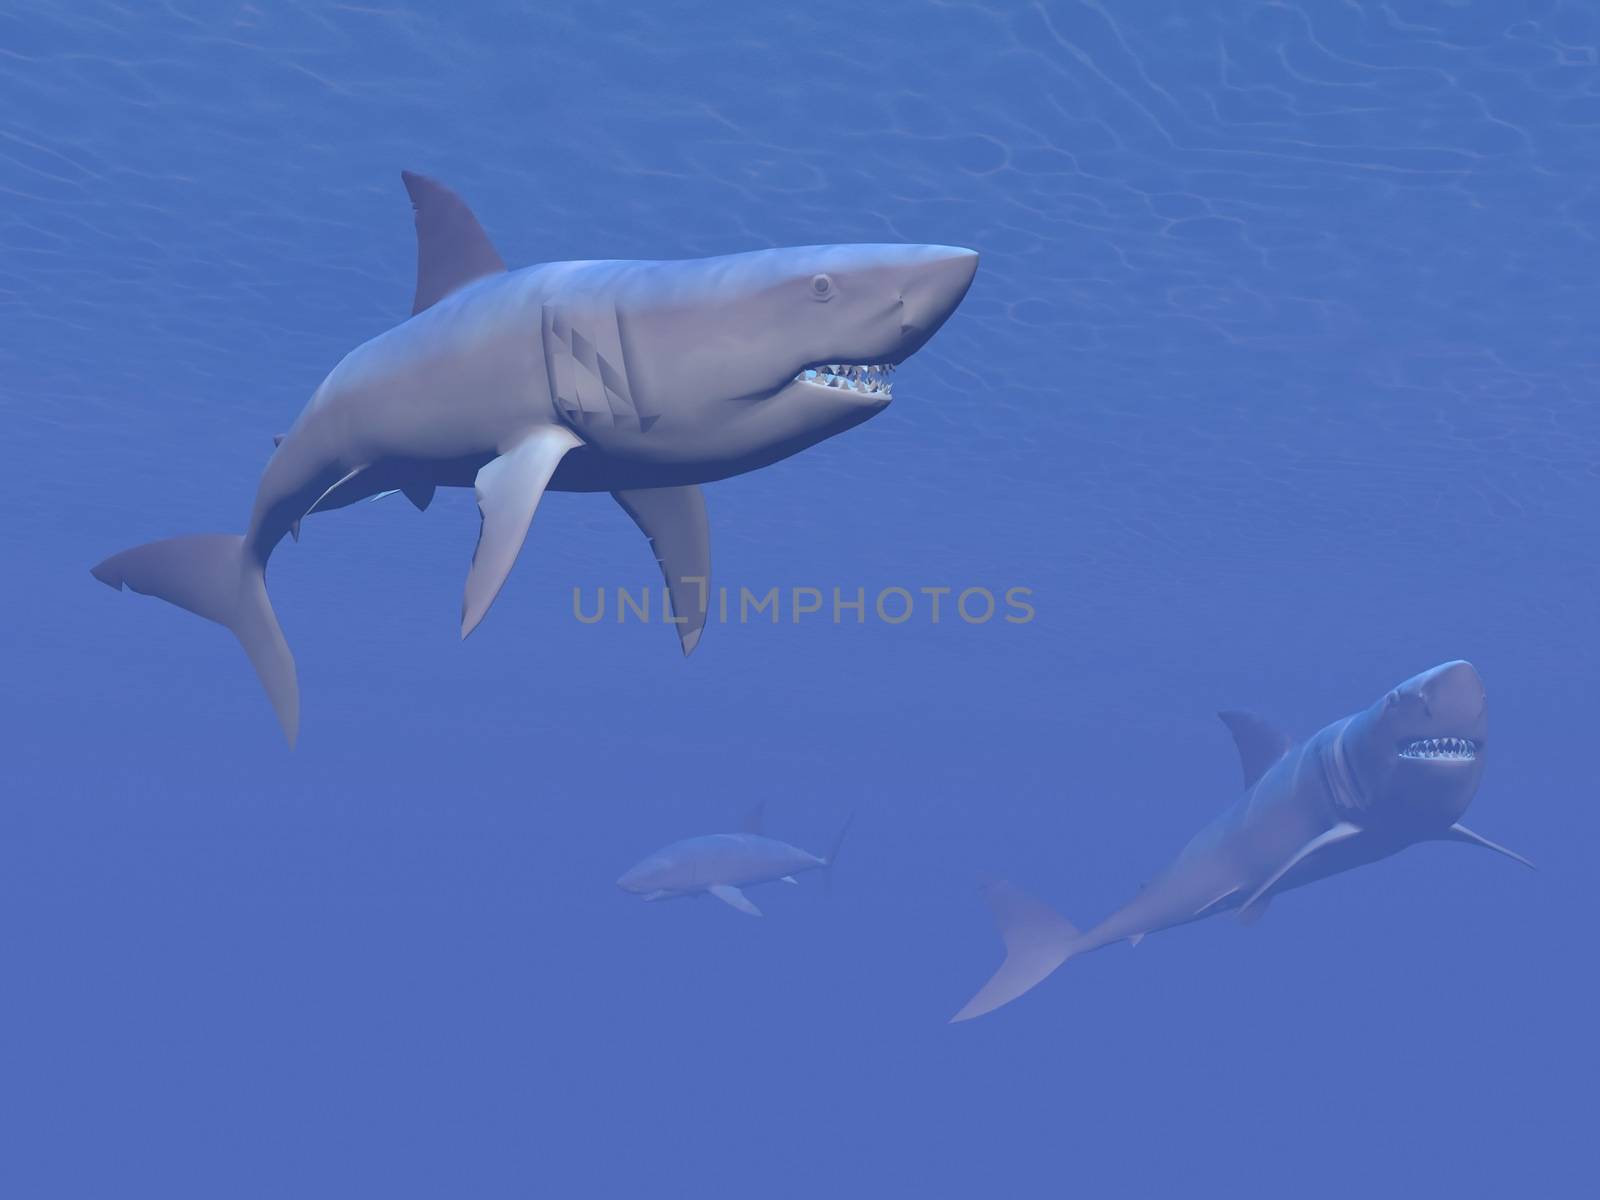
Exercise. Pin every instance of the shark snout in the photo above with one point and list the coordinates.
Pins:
(1440, 716)
(1454, 686)
(935, 285)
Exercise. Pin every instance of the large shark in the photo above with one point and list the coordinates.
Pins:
(1400, 772)
(721, 864)
(642, 379)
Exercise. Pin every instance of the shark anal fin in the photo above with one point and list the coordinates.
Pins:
(674, 519)
(1342, 832)
(1038, 940)
(277, 439)
(452, 249)
(1460, 833)
(508, 489)
(1259, 743)
(734, 897)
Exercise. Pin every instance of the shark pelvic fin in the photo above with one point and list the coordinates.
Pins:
(1342, 832)
(1255, 912)
(452, 248)
(509, 488)
(1038, 940)
(674, 519)
(791, 879)
(1259, 743)
(328, 499)
(1460, 833)
(734, 897)
(420, 494)
(1206, 908)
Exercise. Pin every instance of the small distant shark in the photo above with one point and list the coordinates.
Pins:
(721, 864)
(1363, 788)
(642, 379)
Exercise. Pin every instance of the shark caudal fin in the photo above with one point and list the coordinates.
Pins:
(1038, 940)
(211, 575)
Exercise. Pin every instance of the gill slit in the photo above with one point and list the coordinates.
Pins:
(1343, 787)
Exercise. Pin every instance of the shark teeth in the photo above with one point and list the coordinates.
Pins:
(870, 379)
(1448, 748)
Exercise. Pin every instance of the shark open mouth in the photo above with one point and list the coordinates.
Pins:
(869, 379)
(1450, 749)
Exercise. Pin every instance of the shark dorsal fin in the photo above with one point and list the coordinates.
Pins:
(755, 819)
(1260, 744)
(452, 249)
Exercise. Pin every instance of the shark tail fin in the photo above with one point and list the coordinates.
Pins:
(213, 576)
(1038, 940)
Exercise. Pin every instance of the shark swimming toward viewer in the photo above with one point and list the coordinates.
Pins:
(1363, 788)
(642, 379)
(722, 864)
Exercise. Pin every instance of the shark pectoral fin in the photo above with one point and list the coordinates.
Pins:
(1259, 743)
(791, 879)
(674, 519)
(734, 897)
(508, 491)
(1342, 832)
(1037, 938)
(1460, 833)
(452, 249)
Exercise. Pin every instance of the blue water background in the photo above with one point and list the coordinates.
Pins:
(1277, 385)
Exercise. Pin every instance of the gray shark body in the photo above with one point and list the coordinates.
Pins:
(643, 379)
(722, 865)
(1359, 790)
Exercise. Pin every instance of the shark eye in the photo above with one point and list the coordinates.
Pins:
(821, 287)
